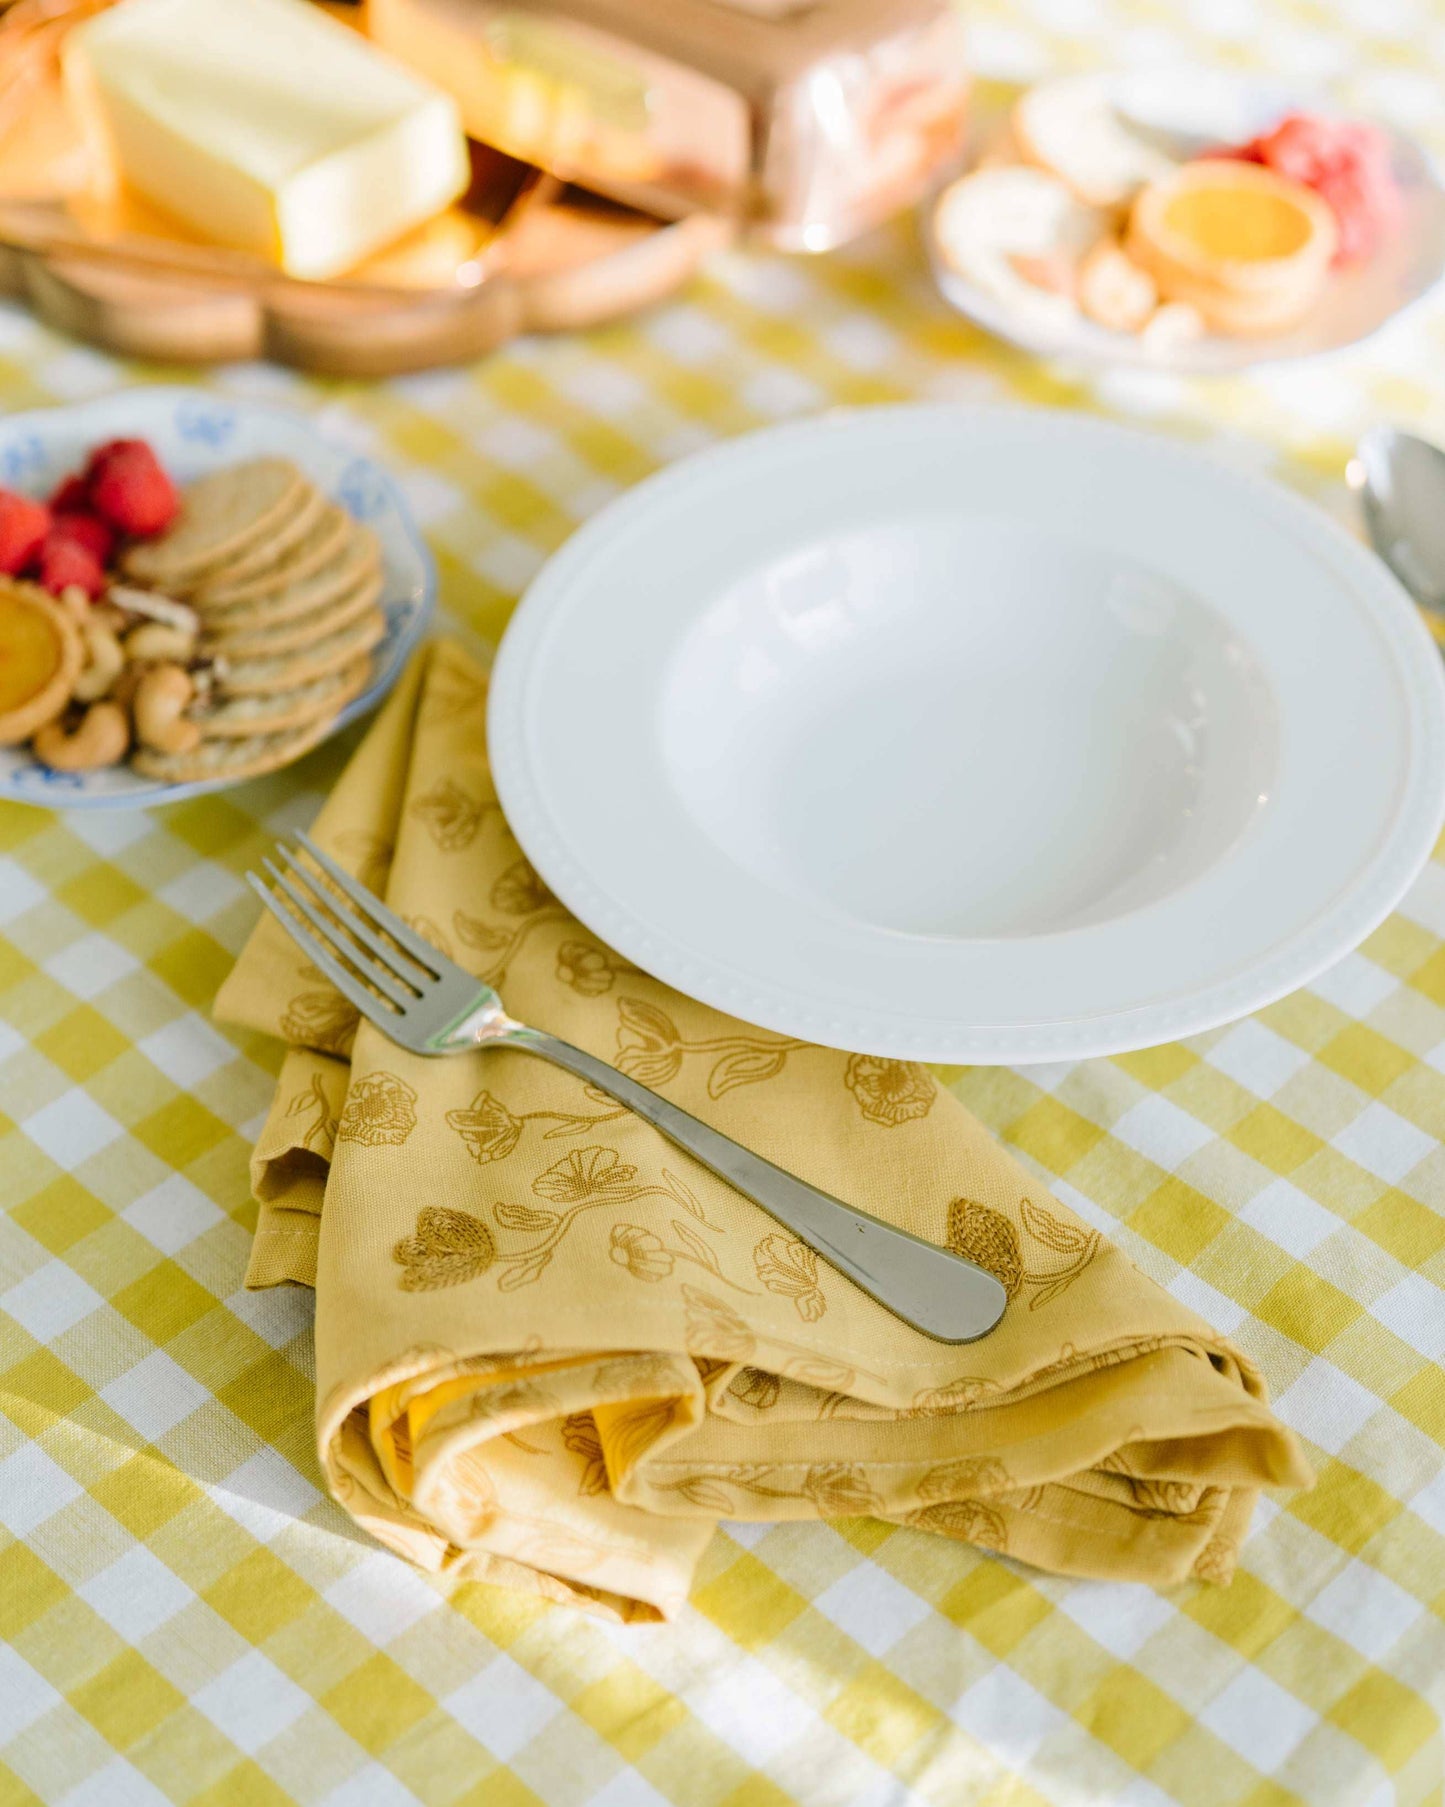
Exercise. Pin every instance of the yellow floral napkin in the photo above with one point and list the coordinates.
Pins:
(552, 1351)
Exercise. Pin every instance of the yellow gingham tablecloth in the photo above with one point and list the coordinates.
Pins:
(184, 1616)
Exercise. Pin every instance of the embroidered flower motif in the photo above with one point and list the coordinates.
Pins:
(790, 1267)
(1165, 1499)
(756, 1387)
(488, 1128)
(956, 1396)
(633, 1431)
(649, 1048)
(320, 1132)
(968, 1475)
(840, 1490)
(586, 969)
(379, 1109)
(645, 1256)
(450, 815)
(714, 1328)
(587, 1173)
(988, 1239)
(636, 1376)
(519, 891)
(364, 854)
(971, 1521)
(432, 932)
(452, 692)
(513, 1402)
(1075, 1246)
(448, 1249)
(321, 1019)
(986, 1236)
(1215, 1562)
(579, 1434)
(890, 1092)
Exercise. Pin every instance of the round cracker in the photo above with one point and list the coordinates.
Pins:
(270, 712)
(284, 671)
(361, 558)
(231, 759)
(304, 630)
(327, 541)
(220, 514)
(263, 550)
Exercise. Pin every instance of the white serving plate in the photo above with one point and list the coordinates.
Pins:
(970, 735)
(1209, 107)
(194, 431)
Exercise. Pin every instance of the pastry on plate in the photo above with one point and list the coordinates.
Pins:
(1248, 248)
(1071, 128)
(1005, 228)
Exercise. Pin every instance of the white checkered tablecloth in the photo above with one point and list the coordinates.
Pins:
(184, 1617)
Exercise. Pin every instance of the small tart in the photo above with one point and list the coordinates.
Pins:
(1249, 248)
(40, 658)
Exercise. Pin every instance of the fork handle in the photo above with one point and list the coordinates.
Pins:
(937, 1292)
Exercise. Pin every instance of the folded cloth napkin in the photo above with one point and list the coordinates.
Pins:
(552, 1350)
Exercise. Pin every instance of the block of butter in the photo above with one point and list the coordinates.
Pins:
(265, 125)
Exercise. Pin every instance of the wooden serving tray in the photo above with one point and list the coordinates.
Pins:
(521, 252)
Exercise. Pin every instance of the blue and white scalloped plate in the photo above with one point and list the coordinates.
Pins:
(193, 432)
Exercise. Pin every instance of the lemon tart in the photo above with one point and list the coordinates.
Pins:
(40, 658)
(1250, 249)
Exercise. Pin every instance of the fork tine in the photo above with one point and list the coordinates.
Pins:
(390, 987)
(399, 963)
(420, 949)
(365, 1001)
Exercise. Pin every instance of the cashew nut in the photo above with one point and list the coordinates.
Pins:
(103, 661)
(158, 640)
(108, 615)
(75, 602)
(123, 690)
(160, 697)
(99, 738)
(154, 608)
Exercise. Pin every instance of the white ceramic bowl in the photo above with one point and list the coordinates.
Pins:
(1212, 107)
(978, 735)
(194, 431)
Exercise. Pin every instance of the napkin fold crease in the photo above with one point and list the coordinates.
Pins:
(552, 1351)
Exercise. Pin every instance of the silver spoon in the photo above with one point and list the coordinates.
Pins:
(1400, 481)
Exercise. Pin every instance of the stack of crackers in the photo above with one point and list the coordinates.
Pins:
(286, 587)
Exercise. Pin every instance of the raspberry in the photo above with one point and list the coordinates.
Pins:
(97, 536)
(128, 486)
(70, 497)
(65, 561)
(23, 525)
(102, 453)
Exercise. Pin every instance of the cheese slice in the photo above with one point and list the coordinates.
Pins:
(265, 125)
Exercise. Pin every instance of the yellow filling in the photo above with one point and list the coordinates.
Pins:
(30, 653)
(1240, 224)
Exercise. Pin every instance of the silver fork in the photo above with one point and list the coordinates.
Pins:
(427, 1003)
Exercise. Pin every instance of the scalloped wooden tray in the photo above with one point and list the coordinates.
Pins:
(520, 253)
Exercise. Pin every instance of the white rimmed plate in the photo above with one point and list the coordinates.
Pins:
(975, 735)
(1201, 108)
(194, 431)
